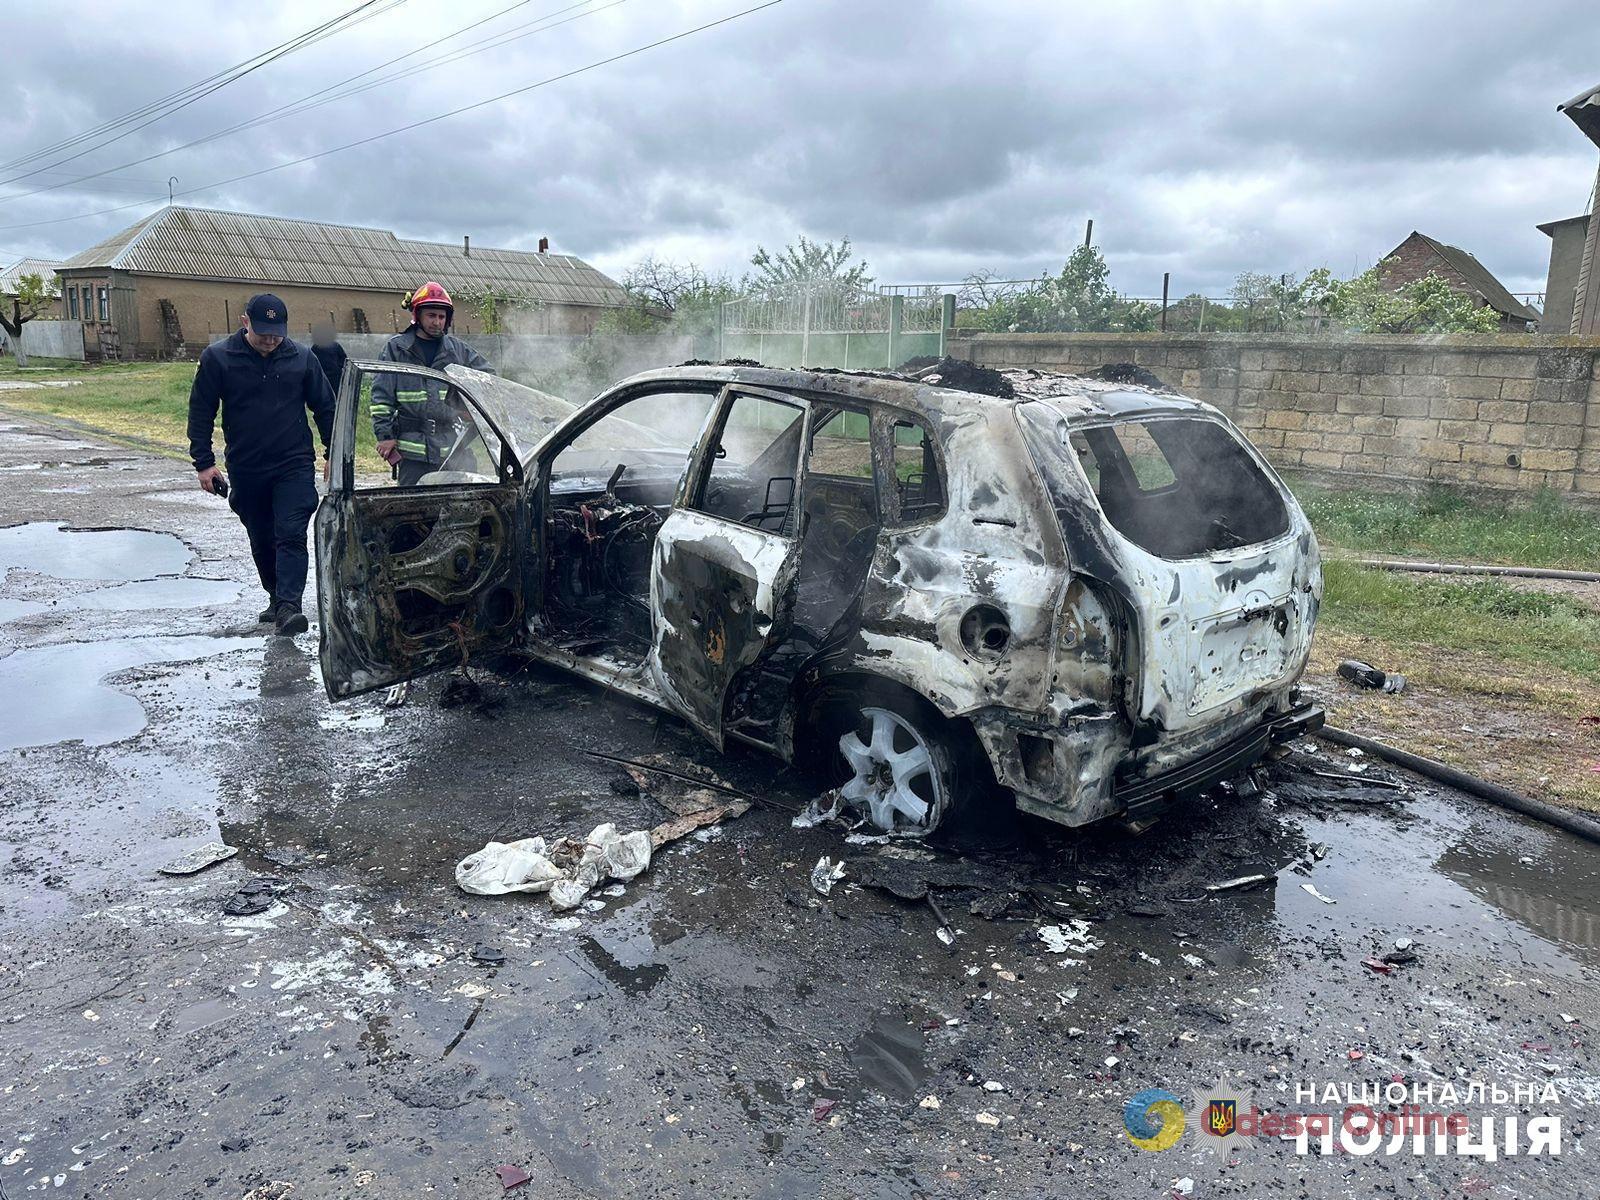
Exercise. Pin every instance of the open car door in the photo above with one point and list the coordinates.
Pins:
(414, 579)
(722, 574)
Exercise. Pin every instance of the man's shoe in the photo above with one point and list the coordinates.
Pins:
(290, 620)
(269, 614)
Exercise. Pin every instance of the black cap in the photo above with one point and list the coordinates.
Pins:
(268, 315)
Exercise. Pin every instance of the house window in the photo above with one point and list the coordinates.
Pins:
(72, 303)
(103, 303)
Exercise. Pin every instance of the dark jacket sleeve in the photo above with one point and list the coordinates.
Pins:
(204, 396)
(383, 404)
(319, 399)
(477, 361)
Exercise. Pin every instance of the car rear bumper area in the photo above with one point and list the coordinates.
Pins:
(1141, 796)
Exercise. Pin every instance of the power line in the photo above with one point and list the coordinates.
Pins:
(455, 112)
(309, 102)
(318, 33)
(202, 87)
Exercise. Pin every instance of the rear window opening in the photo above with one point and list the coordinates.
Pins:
(1179, 487)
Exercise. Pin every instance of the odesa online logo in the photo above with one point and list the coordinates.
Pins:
(1154, 1119)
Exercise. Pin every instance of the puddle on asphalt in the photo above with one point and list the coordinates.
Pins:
(1463, 875)
(625, 963)
(889, 1057)
(52, 549)
(57, 693)
(142, 594)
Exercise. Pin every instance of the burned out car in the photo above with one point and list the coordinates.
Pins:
(1096, 595)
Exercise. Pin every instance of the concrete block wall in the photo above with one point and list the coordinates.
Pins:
(1498, 413)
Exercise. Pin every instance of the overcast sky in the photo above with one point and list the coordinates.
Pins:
(942, 137)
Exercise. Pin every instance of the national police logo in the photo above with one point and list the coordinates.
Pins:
(1222, 1117)
(1217, 1112)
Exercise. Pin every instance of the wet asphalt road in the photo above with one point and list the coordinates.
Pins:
(716, 1029)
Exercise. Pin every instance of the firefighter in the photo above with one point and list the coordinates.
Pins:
(413, 419)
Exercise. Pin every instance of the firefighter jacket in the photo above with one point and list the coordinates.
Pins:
(416, 412)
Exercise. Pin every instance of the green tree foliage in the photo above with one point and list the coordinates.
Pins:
(1366, 304)
(1271, 303)
(1079, 299)
(495, 306)
(807, 264)
(31, 299)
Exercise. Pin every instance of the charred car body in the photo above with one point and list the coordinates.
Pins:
(1097, 593)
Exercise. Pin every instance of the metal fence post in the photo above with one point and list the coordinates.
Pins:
(947, 319)
(722, 321)
(897, 320)
(805, 330)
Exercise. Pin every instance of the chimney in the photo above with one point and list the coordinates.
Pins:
(466, 247)
(544, 245)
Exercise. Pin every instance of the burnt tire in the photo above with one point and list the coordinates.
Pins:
(899, 762)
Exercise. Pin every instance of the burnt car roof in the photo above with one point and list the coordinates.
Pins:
(1077, 396)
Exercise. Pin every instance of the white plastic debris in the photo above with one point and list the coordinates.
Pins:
(822, 808)
(1403, 943)
(193, 861)
(1072, 936)
(825, 874)
(1183, 1187)
(568, 870)
(993, 1085)
(502, 867)
(1310, 890)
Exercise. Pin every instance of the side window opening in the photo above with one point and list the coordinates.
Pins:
(842, 512)
(610, 489)
(916, 471)
(754, 456)
(1179, 487)
(439, 438)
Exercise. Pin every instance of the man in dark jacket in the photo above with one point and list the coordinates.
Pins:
(414, 420)
(332, 356)
(264, 382)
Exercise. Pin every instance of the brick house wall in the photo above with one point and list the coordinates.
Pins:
(207, 307)
(1414, 259)
(1501, 414)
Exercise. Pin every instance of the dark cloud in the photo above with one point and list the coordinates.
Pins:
(942, 136)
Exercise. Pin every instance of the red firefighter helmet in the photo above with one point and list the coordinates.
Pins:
(431, 293)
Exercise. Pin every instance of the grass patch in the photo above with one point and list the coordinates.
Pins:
(144, 403)
(1542, 530)
(1482, 616)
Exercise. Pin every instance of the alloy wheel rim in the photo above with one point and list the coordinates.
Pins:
(892, 776)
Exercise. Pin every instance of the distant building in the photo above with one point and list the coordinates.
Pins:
(1567, 237)
(183, 275)
(45, 268)
(1420, 254)
(1572, 291)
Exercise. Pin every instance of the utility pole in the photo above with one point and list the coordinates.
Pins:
(1166, 283)
(1088, 232)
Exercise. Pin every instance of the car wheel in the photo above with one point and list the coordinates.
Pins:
(901, 765)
